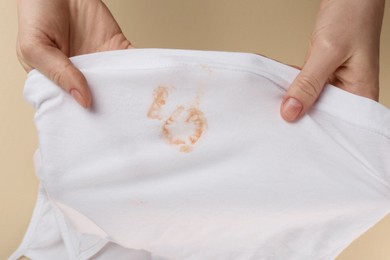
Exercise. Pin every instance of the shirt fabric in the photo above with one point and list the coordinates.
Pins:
(184, 156)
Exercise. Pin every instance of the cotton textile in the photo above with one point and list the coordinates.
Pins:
(184, 156)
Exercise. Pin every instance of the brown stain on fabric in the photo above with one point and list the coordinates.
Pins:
(160, 96)
(207, 68)
(192, 120)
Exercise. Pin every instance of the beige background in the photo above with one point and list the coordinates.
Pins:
(279, 29)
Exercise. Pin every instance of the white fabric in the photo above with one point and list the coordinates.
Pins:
(184, 156)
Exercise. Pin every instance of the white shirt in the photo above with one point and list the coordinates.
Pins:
(184, 156)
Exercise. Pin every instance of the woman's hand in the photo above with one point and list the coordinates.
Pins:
(50, 31)
(344, 51)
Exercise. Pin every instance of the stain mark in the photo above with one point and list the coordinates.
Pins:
(207, 68)
(183, 127)
(185, 148)
(160, 96)
(137, 201)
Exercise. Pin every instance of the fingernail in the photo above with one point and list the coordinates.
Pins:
(79, 98)
(291, 109)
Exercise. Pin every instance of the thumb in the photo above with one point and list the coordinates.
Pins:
(54, 64)
(309, 83)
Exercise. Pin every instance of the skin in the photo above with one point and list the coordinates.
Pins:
(343, 49)
(50, 31)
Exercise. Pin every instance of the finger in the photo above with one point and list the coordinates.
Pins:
(308, 85)
(54, 64)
